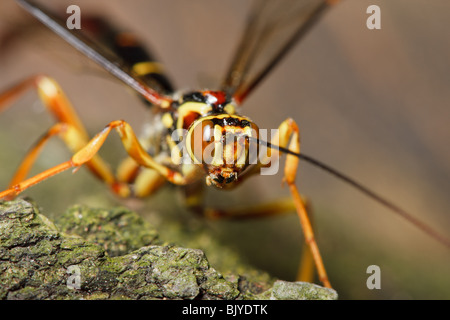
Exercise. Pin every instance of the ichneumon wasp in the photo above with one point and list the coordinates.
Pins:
(256, 119)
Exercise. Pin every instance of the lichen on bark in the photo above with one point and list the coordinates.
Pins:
(116, 255)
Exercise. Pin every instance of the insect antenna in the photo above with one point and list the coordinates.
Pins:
(360, 187)
(110, 63)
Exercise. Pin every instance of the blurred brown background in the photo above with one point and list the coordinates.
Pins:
(373, 104)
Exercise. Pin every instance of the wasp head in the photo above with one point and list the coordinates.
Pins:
(221, 144)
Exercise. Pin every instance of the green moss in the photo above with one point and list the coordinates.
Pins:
(284, 290)
(116, 255)
(118, 230)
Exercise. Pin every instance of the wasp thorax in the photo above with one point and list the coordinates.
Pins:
(221, 144)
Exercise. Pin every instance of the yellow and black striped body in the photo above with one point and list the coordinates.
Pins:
(215, 137)
(211, 113)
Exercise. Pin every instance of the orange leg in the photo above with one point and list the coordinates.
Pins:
(85, 154)
(278, 207)
(51, 95)
(288, 136)
(281, 206)
(29, 160)
(68, 127)
(306, 270)
(71, 130)
(145, 181)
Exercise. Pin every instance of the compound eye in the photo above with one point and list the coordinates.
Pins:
(201, 138)
(253, 146)
(255, 130)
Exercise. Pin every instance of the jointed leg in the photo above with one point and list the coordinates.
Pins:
(194, 201)
(277, 207)
(86, 154)
(289, 137)
(68, 127)
(71, 130)
(51, 95)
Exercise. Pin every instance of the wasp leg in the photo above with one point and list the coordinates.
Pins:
(193, 198)
(278, 207)
(33, 153)
(52, 97)
(145, 181)
(69, 128)
(289, 136)
(275, 208)
(84, 155)
(281, 206)
(306, 270)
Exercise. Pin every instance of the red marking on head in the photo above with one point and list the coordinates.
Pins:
(220, 96)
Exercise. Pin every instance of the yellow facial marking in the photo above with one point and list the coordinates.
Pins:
(230, 109)
(188, 107)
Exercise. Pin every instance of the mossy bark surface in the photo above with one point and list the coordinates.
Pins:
(115, 254)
